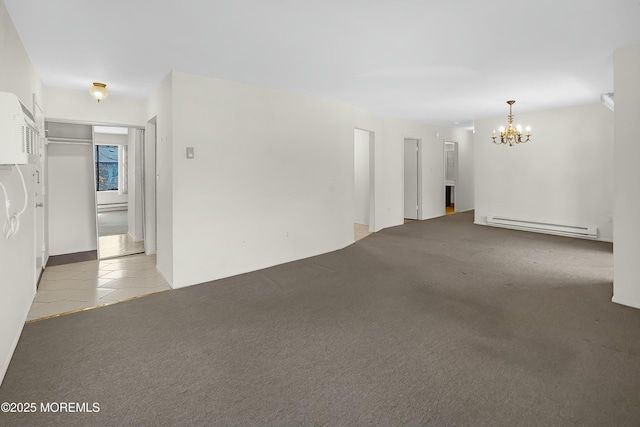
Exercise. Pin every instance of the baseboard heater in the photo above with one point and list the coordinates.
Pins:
(106, 207)
(544, 227)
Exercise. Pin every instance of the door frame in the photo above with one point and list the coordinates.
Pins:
(372, 175)
(457, 168)
(149, 183)
(41, 249)
(134, 188)
(418, 141)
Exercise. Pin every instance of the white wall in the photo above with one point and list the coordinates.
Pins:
(563, 176)
(271, 181)
(361, 179)
(17, 255)
(626, 214)
(272, 177)
(79, 106)
(161, 106)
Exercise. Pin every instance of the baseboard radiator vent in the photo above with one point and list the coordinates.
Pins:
(543, 227)
(107, 207)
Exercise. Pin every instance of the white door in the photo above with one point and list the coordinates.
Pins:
(411, 178)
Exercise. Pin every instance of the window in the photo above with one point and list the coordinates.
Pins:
(106, 167)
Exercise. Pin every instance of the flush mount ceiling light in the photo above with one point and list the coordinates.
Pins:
(99, 91)
(511, 135)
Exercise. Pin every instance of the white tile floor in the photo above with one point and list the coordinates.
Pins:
(118, 245)
(360, 231)
(71, 287)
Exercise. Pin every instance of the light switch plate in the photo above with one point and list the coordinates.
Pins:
(190, 153)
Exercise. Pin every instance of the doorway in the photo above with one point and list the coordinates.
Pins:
(119, 191)
(450, 175)
(363, 183)
(411, 179)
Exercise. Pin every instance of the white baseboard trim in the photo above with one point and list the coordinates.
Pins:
(624, 302)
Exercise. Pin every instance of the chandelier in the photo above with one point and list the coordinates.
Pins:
(511, 135)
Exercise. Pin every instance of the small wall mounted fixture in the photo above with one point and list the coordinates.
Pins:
(99, 91)
(511, 135)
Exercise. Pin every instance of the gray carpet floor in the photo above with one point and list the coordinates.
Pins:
(437, 322)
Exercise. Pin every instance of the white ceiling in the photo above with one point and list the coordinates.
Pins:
(444, 62)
